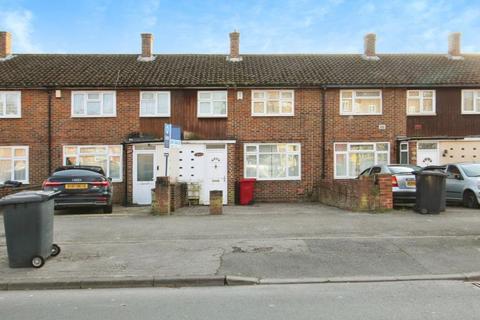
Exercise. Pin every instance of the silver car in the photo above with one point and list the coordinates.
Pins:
(403, 180)
(463, 184)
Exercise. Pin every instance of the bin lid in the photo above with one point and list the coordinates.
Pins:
(430, 173)
(248, 180)
(27, 197)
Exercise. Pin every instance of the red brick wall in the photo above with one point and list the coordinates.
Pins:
(340, 128)
(303, 128)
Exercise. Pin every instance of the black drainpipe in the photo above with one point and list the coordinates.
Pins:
(323, 132)
(49, 132)
(125, 173)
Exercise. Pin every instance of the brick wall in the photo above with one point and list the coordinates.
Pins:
(365, 194)
(179, 197)
(5, 191)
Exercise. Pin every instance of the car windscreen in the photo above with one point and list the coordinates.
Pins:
(402, 169)
(471, 170)
(76, 172)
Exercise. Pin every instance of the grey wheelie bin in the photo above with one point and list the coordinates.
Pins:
(28, 221)
(431, 192)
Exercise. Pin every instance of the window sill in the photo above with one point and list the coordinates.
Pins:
(212, 116)
(470, 113)
(95, 116)
(273, 115)
(420, 114)
(361, 114)
(155, 116)
(10, 117)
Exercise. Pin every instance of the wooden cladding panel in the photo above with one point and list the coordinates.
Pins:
(184, 114)
(449, 121)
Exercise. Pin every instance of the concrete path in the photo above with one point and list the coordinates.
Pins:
(264, 241)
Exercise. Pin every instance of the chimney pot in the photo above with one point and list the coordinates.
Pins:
(147, 47)
(5, 44)
(234, 46)
(369, 43)
(454, 42)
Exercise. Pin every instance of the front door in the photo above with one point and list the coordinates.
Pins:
(216, 172)
(427, 154)
(144, 165)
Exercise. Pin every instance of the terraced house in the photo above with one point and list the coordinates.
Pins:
(288, 120)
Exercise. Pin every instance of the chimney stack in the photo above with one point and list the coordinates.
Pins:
(234, 47)
(5, 44)
(369, 43)
(454, 45)
(147, 47)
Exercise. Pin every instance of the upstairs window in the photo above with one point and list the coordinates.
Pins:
(14, 164)
(10, 104)
(155, 104)
(360, 102)
(93, 104)
(421, 102)
(212, 104)
(470, 101)
(272, 103)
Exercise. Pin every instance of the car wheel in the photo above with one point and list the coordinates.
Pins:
(470, 200)
(108, 209)
(37, 262)
(55, 250)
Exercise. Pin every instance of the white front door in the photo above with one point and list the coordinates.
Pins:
(216, 172)
(427, 154)
(144, 169)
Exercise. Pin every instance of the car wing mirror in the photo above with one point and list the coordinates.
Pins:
(109, 179)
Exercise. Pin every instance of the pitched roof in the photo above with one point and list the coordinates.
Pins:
(202, 70)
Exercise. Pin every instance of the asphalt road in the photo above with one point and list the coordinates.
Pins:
(401, 300)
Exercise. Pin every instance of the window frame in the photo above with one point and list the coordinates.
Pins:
(421, 98)
(3, 96)
(404, 151)
(476, 95)
(287, 153)
(101, 93)
(265, 100)
(353, 113)
(156, 115)
(348, 151)
(12, 164)
(211, 100)
(108, 155)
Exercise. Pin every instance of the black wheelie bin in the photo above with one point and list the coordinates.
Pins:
(431, 192)
(28, 221)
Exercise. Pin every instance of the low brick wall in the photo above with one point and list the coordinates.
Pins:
(365, 194)
(5, 191)
(179, 195)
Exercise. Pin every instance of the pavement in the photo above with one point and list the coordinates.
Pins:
(260, 244)
(436, 300)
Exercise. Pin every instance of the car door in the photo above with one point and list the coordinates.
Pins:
(454, 184)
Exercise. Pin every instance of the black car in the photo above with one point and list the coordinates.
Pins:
(81, 186)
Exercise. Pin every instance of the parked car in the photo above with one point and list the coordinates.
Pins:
(403, 180)
(81, 186)
(462, 184)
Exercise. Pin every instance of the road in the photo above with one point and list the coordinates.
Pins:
(401, 300)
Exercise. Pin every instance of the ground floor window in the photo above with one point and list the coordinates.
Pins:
(352, 158)
(107, 157)
(272, 161)
(404, 153)
(14, 164)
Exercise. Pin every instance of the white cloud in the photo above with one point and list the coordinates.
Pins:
(19, 23)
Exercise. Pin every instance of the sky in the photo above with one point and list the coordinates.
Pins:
(265, 26)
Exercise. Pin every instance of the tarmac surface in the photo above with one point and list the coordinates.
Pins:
(265, 241)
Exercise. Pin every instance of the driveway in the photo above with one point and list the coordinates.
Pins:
(265, 240)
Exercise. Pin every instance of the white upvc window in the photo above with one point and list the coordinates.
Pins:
(272, 161)
(10, 104)
(94, 104)
(212, 104)
(420, 102)
(155, 104)
(14, 163)
(351, 159)
(107, 157)
(272, 103)
(404, 153)
(360, 102)
(470, 101)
